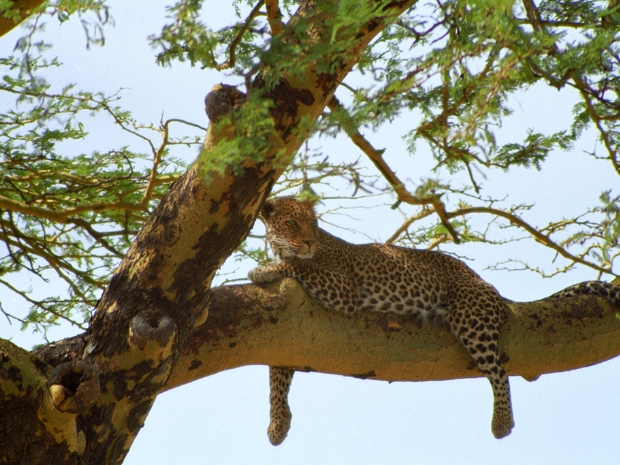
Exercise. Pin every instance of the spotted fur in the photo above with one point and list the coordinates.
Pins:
(602, 289)
(350, 279)
(280, 380)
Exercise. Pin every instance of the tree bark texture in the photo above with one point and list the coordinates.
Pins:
(280, 326)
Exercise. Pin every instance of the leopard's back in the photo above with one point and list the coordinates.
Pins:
(401, 280)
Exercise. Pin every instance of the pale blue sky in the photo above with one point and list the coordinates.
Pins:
(567, 418)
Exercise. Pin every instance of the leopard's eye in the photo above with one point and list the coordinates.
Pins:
(315, 222)
(291, 222)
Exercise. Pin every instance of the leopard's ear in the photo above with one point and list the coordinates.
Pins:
(269, 208)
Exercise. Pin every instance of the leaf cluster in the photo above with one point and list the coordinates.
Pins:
(65, 214)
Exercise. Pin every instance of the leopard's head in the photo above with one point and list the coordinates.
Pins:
(292, 228)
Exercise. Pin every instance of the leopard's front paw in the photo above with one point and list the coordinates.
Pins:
(262, 274)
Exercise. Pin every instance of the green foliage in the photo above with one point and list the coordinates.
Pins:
(251, 142)
(67, 215)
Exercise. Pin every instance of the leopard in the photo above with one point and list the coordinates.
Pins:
(430, 286)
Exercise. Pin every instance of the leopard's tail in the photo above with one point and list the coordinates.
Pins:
(599, 288)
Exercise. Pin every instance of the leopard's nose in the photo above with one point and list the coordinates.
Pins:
(309, 243)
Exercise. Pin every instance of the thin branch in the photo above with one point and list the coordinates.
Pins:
(540, 237)
(274, 17)
(232, 49)
(534, 16)
(150, 187)
(31, 247)
(376, 156)
(553, 23)
(408, 222)
(440, 209)
(188, 123)
(585, 94)
(95, 235)
(63, 215)
(36, 303)
(154, 179)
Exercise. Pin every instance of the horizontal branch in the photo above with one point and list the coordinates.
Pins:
(281, 326)
(375, 155)
(61, 216)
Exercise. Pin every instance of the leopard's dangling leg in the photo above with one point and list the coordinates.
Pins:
(280, 380)
(479, 333)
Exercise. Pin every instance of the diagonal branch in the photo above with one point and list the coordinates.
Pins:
(408, 222)
(232, 49)
(586, 92)
(274, 17)
(544, 239)
(376, 156)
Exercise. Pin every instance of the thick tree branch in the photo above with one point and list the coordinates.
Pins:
(16, 13)
(281, 326)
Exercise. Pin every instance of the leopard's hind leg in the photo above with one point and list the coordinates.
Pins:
(478, 330)
(280, 380)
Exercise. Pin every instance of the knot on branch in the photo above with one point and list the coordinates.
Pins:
(151, 326)
(223, 100)
(74, 386)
